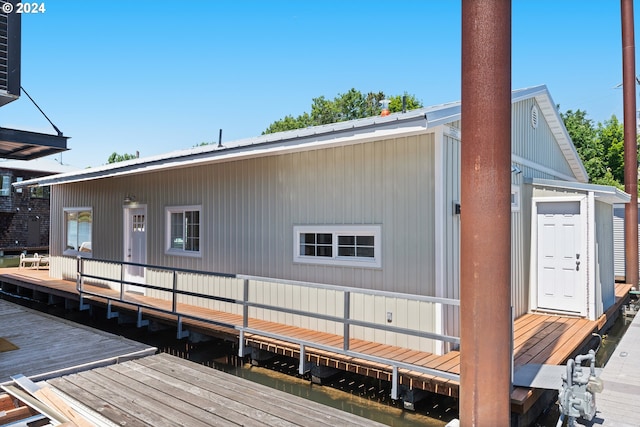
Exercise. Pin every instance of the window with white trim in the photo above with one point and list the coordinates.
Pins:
(183, 231)
(78, 225)
(347, 245)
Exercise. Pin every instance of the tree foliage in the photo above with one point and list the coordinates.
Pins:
(115, 157)
(600, 147)
(346, 106)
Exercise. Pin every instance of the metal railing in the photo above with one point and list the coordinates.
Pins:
(346, 319)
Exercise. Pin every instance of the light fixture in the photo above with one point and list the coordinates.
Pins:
(129, 199)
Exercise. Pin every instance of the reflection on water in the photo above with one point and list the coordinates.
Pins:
(612, 338)
(366, 397)
(386, 414)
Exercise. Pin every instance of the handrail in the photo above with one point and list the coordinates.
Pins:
(345, 319)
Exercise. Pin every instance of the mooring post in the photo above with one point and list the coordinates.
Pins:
(630, 143)
(485, 218)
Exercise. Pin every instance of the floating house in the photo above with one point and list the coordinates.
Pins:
(24, 213)
(370, 204)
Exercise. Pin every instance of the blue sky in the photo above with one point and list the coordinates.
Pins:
(157, 76)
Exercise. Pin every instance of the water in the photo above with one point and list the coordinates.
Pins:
(9, 261)
(611, 339)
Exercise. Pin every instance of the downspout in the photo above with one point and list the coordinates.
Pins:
(440, 229)
(592, 257)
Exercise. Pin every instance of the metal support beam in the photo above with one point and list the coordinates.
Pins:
(485, 253)
(140, 322)
(181, 333)
(241, 344)
(110, 313)
(394, 383)
(630, 144)
(82, 306)
(302, 364)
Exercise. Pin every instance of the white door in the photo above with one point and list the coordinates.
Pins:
(135, 246)
(561, 263)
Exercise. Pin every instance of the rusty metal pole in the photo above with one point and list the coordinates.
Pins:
(485, 289)
(630, 144)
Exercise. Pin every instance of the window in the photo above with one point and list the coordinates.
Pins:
(183, 230)
(19, 189)
(348, 245)
(515, 198)
(39, 192)
(6, 186)
(78, 224)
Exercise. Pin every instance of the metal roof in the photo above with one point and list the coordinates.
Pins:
(342, 133)
(46, 165)
(25, 145)
(605, 193)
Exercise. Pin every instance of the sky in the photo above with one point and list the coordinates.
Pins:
(154, 76)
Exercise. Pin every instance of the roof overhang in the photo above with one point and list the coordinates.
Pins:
(338, 134)
(603, 193)
(25, 145)
(412, 122)
(556, 125)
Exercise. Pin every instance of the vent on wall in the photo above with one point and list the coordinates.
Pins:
(10, 29)
(534, 116)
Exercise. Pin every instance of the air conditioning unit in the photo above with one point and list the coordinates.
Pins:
(9, 52)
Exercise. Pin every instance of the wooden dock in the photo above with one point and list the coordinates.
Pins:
(538, 338)
(41, 346)
(617, 405)
(164, 390)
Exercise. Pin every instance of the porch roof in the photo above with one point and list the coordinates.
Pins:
(604, 193)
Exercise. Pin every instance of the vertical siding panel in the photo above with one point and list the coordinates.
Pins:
(249, 208)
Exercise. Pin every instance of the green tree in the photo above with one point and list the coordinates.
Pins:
(346, 106)
(289, 123)
(115, 157)
(323, 111)
(611, 135)
(395, 103)
(586, 139)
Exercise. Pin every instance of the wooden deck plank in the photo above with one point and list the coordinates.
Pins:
(173, 399)
(115, 407)
(199, 390)
(271, 406)
(45, 342)
(537, 337)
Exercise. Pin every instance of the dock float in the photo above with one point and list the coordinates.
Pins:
(539, 338)
(617, 404)
(41, 346)
(164, 390)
